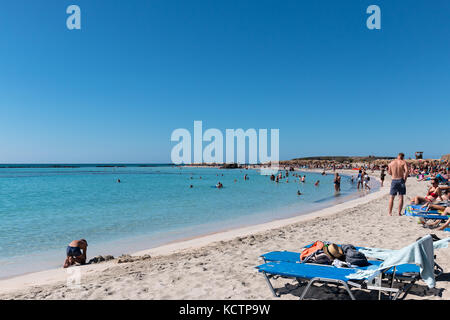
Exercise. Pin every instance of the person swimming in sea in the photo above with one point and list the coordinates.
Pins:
(219, 185)
(118, 180)
(303, 178)
(76, 253)
(299, 193)
(191, 186)
(317, 183)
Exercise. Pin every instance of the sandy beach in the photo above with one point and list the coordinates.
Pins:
(222, 265)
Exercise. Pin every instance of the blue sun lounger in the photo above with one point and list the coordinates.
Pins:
(427, 216)
(409, 273)
(312, 273)
(413, 209)
(404, 272)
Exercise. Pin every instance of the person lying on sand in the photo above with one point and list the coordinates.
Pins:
(76, 253)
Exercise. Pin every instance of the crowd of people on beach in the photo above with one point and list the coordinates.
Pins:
(437, 198)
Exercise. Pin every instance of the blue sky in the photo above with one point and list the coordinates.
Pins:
(115, 90)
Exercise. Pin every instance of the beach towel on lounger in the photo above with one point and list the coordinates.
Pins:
(383, 254)
(420, 253)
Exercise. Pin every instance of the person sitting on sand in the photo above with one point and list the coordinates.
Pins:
(76, 253)
(435, 223)
(434, 193)
(430, 206)
(446, 224)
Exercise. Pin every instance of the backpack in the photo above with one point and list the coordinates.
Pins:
(353, 256)
(318, 245)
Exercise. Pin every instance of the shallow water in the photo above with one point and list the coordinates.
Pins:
(43, 209)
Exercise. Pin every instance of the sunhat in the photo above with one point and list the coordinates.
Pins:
(333, 251)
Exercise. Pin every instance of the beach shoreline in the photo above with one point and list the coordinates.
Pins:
(46, 277)
(228, 259)
(144, 242)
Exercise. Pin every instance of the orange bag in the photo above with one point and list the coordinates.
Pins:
(318, 245)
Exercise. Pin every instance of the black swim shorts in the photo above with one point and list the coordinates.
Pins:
(398, 187)
(73, 251)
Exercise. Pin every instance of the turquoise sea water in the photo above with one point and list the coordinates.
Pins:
(43, 209)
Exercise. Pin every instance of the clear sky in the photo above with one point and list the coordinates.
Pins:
(116, 89)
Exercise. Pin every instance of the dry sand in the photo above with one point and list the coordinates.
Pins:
(221, 265)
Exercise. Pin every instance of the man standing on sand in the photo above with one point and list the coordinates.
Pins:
(398, 169)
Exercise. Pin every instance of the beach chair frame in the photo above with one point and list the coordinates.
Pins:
(411, 278)
(374, 283)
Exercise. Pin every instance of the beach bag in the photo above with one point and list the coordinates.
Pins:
(354, 257)
(318, 245)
